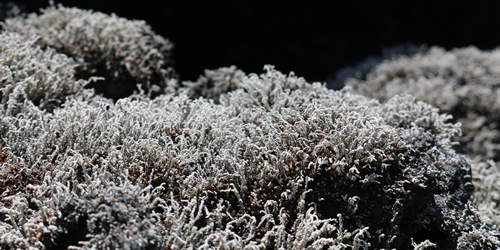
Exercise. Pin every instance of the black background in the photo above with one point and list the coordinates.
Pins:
(312, 38)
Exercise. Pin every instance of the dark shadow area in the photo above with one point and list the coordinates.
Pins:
(76, 231)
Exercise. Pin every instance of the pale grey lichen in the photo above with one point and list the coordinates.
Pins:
(215, 83)
(363, 67)
(462, 82)
(278, 163)
(27, 72)
(478, 239)
(125, 52)
(232, 161)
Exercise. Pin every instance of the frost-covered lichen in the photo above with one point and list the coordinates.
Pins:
(279, 163)
(215, 83)
(27, 72)
(463, 82)
(231, 161)
(125, 52)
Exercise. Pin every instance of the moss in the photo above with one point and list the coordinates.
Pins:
(232, 161)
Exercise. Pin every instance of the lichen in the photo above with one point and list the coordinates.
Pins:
(125, 52)
(278, 163)
(462, 82)
(232, 161)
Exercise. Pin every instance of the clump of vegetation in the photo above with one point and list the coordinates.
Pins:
(124, 52)
(462, 82)
(231, 161)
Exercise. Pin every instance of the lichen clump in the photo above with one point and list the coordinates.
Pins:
(27, 72)
(234, 161)
(125, 52)
(464, 82)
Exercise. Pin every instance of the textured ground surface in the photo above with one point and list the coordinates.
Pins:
(231, 161)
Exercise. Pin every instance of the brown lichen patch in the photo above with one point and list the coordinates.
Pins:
(15, 178)
(3, 156)
(138, 175)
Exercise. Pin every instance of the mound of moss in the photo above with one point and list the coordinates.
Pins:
(231, 161)
(462, 82)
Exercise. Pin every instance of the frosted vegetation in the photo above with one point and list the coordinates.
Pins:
(125, 52)
(231, 161)
(463, 82)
